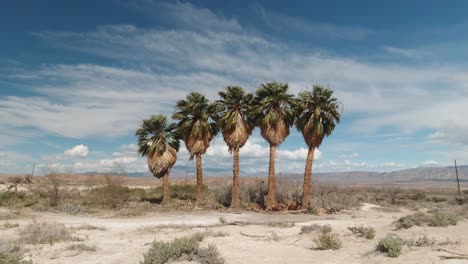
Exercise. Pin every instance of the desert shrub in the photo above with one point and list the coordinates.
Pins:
(442, 218)
(333, 197)
(9, 225)
(288, 190)
(90, 227)
(82, 248)
(438, 199)
(417, 219)
(327, 240)
(311, 228)
(281, 224)
(134, 209)
(220, 234)
(390, 246)
(18, 200)
(209, 255)
(11, 254)
(185, 248)
(436, 217)
(420, 242)
(418, 196)
(255, 193)
(366, 232)
(45, 233)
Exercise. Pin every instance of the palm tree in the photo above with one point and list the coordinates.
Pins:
(317, 113)
(159, 142)
(236, 125)
(197, 127)
(274, 115)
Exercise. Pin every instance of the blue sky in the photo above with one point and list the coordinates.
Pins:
(76, 78)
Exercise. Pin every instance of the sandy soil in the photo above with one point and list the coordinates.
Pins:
(124, 240)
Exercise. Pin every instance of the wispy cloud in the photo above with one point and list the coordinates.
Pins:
(285, 23)
(409, 53)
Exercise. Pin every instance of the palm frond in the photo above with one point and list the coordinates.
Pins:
(272, 111)
(196, 122)
(317, 112)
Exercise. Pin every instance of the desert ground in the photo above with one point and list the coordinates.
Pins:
(247, 236)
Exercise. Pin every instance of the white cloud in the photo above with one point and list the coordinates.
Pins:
(80, 151)
(284, 23)
(430, 163)
(409, 53)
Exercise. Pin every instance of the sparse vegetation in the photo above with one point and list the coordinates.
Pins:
(366, 232)
(314, 227)
(281, 224)
(327, 240)
(82, 248)
(11, 254)
(46, 233)
(185, 248)
(90, 227)
(390, 246)
(438, 217)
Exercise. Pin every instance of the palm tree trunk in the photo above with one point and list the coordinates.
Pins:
(199, 178)
(166, 194)
(271, 178)
(235, 202)
(308, 178)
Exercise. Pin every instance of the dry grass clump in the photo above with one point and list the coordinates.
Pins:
(220, 234)
(420, 242)
(337, 198)
(46, 233)
(9, 225)
(327, 240)
(11, 254)
(82, 248)
(281, 224)
(442, 218)
(180, 249)
(390, 246)
(366, 232)
(90, 227)
(314, 227)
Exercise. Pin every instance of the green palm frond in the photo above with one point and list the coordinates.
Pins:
(317, 113)
(196, 116)
(234, 101)
(153, 135)
(272, 103)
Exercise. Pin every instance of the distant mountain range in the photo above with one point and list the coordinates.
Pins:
(425, 174)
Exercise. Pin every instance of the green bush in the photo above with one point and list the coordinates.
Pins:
(442, 218)
(327, 240)
(185, 248)
(18, 200)
(417, 219)
(390, 246)
(366, 232)
(434, 218)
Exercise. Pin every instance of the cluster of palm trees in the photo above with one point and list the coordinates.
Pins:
(271, 108)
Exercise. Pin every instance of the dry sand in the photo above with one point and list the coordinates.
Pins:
(125, 239)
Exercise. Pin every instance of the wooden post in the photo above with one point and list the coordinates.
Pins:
(32, 173)
(458, 181)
